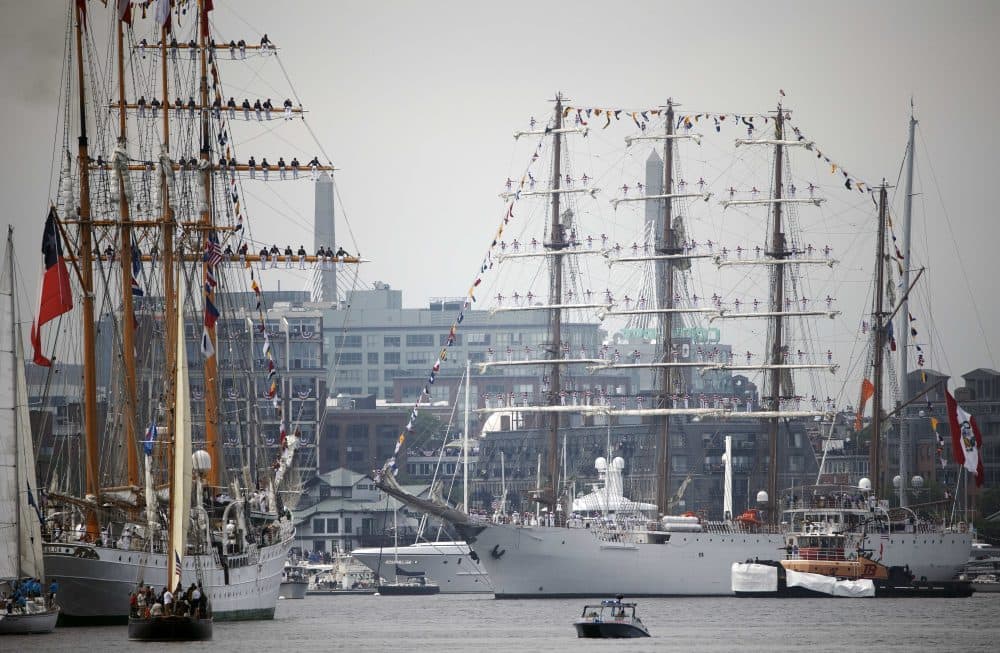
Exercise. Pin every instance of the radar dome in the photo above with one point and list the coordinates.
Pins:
(865, 485)
(201, 461)
(600, 463)
(618, 463)
(762, 497)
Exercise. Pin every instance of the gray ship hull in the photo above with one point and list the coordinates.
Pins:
(293, 589)
(95, 582)
(526, 561)
(445, 563)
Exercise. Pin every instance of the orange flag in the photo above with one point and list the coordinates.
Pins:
(867, 390)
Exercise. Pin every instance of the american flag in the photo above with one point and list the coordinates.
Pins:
(213, 250)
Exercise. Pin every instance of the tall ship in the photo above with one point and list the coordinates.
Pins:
(725, 241)
(152, 213)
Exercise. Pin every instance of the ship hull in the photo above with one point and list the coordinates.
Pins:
(95, 582)
(445, 563)
(29, 624)
(293, 589)
(170, 629)
(550, 562)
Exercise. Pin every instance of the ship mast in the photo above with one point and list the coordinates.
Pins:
(878, 318)
(777, 296)
(904, 330)
(127, 324)
(86, 254)
(554, 243)
(665, 291)
(167, 227)
(210, 363)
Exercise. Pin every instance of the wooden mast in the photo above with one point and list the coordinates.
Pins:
(875, 447)
(167, 228)
(555, 242)
(665, 287)
(210, 366)
(128, 311)
(777, 298)
(93, 485)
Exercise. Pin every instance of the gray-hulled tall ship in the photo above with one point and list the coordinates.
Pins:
(654, 275)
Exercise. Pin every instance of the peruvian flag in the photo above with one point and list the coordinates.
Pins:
(57, 298)
(966, 440)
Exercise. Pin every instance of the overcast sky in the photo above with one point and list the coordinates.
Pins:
(416, 103)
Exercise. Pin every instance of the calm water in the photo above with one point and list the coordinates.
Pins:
(480, 623)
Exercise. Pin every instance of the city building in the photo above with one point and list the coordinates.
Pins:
(342, 510)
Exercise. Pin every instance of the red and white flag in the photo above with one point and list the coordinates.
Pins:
(966, 440)
(56, 295)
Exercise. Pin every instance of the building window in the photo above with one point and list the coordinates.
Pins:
(678, 463)
(347, 341)
(392, 358)
(390, 341)
(373, 358)
(478, 338)
(347, 525)
(332, 525)
(373, 375)
(319, 526)
(420, 340)
(418, 357)
(349, 358)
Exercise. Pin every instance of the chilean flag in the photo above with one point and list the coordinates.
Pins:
(966, 440)
(56, 296)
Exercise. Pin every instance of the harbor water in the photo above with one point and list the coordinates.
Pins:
(449, 622)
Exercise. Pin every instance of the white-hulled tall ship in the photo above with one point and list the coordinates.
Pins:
(559, 552)
(154, 190)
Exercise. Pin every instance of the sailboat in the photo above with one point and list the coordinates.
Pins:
(165, 192)
(189, 625)
(21, 559)
(651, 552)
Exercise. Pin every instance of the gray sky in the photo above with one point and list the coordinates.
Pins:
(416, 102)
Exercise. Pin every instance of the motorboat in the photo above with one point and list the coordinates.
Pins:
(612, 619)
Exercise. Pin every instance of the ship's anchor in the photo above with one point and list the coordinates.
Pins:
(497, 552)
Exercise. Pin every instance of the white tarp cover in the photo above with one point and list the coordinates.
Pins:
(828, 585)
(751, 577)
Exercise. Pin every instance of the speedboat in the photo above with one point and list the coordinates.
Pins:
(613, 618)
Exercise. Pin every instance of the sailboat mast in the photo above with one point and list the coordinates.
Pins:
(465, 437)
(875, 448)
(167, 228)
(125, 248)
(555, 243)
(14, 407)
(665, 281)
(777, 296)
(904, 330)
(86, 254)
(210, 363)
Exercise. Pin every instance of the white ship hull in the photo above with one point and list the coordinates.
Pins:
(95, 582)
(445, 563)
(532, 561)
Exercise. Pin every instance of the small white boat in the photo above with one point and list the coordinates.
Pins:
(986, 583)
